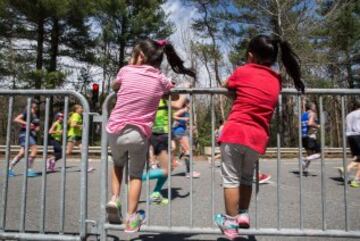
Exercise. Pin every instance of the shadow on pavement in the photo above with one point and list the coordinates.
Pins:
(183, 237)
(305, 174)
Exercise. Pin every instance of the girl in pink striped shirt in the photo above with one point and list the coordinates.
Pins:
(140, 86)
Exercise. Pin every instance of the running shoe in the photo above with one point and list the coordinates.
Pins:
(305, 165)
(91, 169)
(31, 173)
(227, 225)
(355, 184)
(50, 165)
(113, 210)
(243, 219)
(11, 173)
(263, 178)
(134, 222)
(195, 174)
(158, 199)
(341, 172)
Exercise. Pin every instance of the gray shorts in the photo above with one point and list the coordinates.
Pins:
(130, 145)
(237, 165)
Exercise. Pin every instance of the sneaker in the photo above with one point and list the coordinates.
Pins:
(341, 172)
(243, 220)
(91, 169)
(113, 210)
(227, 225)
(305, 165)
(355, 184)
(31, 173)
(157, 198)
(50, 165)
(195, 174)
(11, 173)
(264, 178)
(134, 222)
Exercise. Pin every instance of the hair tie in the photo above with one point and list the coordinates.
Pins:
(161, 42)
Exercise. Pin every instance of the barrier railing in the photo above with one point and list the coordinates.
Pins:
(41, 234)
(278, 229)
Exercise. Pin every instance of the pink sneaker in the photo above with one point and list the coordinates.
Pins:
(194, 175)
(227, 225)
(263, 178)
(243, 220)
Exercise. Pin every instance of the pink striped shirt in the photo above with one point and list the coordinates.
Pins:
(142, 87)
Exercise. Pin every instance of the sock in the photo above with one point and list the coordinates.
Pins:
(14, 162)
(153, 174)
(30, 162)
(158, 174)
(187, 163)
(241, 211)
(313, 157)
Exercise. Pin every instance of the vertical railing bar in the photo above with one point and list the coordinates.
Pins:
(257, 194)
(169, 162)
(7, 161)
(104, 172)
(63, 168)
(278, 150)
(191, 158)
(212, 157)
(24, 191)
(322, 143)
(147, 191)
(344, 163)
(45, 156)
(84, 169)
(300, 159)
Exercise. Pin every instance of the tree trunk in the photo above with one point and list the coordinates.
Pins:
(39, 51)
(54, 49)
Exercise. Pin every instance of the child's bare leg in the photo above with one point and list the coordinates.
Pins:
(116, 178)
(134, 194)
(69, 147)
(245, 196)
(232, 198)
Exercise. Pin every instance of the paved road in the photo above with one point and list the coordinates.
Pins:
(267, 208)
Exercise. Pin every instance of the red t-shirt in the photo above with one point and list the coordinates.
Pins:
(257, 89)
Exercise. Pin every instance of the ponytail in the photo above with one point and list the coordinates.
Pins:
(175, 62)
(265, 51)
(291, 62)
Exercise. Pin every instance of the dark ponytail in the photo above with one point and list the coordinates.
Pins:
(176, 63)
(265, 51)
(291, 62)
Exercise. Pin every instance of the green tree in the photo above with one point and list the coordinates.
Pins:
(122, 24)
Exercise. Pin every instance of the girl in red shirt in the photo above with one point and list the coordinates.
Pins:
(246, 132)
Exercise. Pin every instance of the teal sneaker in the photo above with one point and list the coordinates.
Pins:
(113, 210)
(158, 199)
(11, 173)
(135, 221)
(31, 173)
(228, 225)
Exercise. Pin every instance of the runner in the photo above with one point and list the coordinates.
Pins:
(56, 132)
(309, 130)
(353, 136)
(181, 135)
(34, 128)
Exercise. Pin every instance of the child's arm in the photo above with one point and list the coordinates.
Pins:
(115, 85)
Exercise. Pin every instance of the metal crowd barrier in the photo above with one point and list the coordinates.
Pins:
(278, 229)
(42, 234)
